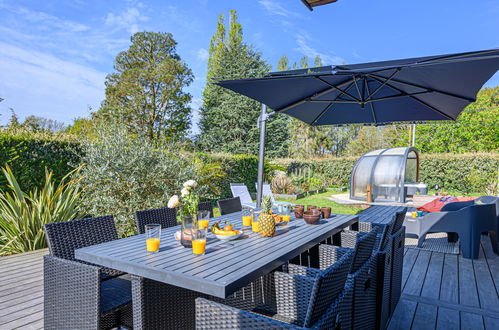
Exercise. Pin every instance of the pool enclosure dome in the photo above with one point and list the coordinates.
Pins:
(386, 175)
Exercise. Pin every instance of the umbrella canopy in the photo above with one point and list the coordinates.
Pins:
(314, 3)
(414, 89)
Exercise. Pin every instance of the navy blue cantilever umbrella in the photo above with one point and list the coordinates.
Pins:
(407, 90)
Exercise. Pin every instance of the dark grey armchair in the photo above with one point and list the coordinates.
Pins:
(78, 295)
(466, 219)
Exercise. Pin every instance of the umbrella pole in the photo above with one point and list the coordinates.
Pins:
(262, 123)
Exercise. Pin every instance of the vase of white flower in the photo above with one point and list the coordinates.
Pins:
(187, 210)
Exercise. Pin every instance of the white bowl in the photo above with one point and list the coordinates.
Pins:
(229, 237)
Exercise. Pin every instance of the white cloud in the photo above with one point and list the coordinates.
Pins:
(202, 54)
(304, 48)
(128, 20)
(275, 8)
(44, 19)
(38, 83)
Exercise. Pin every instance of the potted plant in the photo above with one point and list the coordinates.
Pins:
(187, 210)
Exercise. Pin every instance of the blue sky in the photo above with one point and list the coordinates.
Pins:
(54, 55)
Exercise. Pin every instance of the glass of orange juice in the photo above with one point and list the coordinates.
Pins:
(286, 211)
(204, 219)
(199, 241)
(153, 235)
(254, 226)
(247, 217)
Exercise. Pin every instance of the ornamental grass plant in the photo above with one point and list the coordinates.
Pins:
(22, 215)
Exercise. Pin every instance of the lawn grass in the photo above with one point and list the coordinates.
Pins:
(321, 200)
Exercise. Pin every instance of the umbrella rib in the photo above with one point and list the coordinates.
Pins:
(339, 89)
(423, 87)
(361, 101)
(371, 104)
(383, 84)
(322, 113)
(418, 100)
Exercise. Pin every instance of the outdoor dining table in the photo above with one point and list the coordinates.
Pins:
(165, 284)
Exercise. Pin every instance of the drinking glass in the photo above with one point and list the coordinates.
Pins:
(286, 211)
(153, 234)
(248, 215)
(199, 241)
(203, 219)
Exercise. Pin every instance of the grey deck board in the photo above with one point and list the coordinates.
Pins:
(425, 317)
(434, 301)
(470, 321)
(468, 294)
(448, 319)
(449, 289)
(416, 279)
(431, 286)
(491, 323)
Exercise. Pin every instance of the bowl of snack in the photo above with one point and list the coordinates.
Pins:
(225, 231)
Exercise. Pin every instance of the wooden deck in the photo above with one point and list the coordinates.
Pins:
(446, 291)
(442, 291)
(21, 291)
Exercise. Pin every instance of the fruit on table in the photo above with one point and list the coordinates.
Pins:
(228, 229)
(266, 222)
(278, 218)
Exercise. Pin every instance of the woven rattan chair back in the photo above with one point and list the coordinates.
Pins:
(165, 216)
(230, 205)
(398, 220)
(363, 249)
(63, 238)
(328, 285)
(206, 206)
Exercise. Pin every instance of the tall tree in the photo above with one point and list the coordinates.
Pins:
(146, 91)
(283, 64)
(227, 119)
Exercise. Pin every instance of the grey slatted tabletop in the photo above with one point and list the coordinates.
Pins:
(226, 266)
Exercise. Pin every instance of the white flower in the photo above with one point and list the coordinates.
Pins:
(184, 192)
(173, 202)
(190, 184)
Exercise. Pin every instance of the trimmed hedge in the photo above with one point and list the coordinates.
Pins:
(239, 169)
(28, 158)
(467, 173)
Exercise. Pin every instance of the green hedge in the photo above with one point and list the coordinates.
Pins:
(467, 173)
(238, 169)
(28, 158)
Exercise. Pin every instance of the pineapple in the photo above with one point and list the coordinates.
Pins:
(266, 222)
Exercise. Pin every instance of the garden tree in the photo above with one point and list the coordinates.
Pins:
(476, 129)
(227, 119)
(146, 91)
(14, 120)
(37, 123)
(283, 64)
(304, 62)
(376, 137)
(83, 128)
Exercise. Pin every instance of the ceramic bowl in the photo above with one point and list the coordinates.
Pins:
(312, 216)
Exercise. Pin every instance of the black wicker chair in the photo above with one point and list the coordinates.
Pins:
(206, 206)
(164, 216)
(362, 275)
(397, 239)
(230, 205)
(306, 298)
(78, 295)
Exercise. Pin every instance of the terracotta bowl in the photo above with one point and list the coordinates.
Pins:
(312, 216)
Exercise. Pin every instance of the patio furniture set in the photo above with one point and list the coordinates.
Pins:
(463, 220)
(340, 273)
